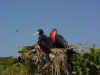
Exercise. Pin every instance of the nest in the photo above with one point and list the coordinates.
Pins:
(56, 63)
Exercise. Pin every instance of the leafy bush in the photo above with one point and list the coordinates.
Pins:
(37, 63)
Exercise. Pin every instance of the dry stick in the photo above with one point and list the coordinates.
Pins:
(47, 66)
(52, 69)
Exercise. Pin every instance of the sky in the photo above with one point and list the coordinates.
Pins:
(77, 20)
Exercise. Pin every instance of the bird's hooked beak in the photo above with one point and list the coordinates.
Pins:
(35, 34)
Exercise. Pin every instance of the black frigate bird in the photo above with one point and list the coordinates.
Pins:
(44, 42)
(57, 39)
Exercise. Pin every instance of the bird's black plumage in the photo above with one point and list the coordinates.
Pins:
(59, 39)
(44, 42)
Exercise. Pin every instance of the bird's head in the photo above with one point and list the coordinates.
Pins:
(40, 31)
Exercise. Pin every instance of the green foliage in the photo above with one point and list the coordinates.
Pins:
(87, 63)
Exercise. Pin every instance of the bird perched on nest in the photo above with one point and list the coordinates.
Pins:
(57, 39)
(44, 42)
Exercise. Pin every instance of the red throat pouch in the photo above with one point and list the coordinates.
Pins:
(53, 36)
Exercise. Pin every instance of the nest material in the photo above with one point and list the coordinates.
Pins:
(58, 60)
